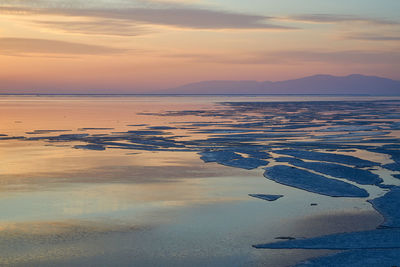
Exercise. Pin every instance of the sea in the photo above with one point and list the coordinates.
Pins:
(166, 180)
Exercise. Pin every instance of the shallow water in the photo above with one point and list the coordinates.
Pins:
(156, 204)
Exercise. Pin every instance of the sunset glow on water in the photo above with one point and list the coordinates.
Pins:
(200, 133)
(159, 203)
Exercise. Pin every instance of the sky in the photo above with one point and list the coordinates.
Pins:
(143, 46)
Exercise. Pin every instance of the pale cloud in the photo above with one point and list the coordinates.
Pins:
(24, 46)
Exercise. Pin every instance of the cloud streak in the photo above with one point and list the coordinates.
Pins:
(96, 27)
(23, 46)
(178, 16)
(297, 57)
(372, 37)
(339, 18)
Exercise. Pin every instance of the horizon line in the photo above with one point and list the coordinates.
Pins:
(172, 94)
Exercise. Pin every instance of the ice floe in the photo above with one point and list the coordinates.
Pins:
(340, 171)
(389, 206)
(329, 157)
(357, 258)
(373, 239)
(266, 197)
(311, 182)
(232, 159)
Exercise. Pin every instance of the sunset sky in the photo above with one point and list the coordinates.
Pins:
(136, 46)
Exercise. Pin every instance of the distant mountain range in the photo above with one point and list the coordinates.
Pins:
(317, 84)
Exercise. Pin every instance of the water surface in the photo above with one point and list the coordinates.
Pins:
(78, 188)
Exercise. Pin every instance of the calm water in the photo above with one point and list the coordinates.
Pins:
(143, 207)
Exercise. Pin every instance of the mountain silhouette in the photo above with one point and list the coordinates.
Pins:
(318, 84)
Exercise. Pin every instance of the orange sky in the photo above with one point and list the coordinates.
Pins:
(142, 46)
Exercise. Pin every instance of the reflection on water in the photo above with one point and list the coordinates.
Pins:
(155, 207)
